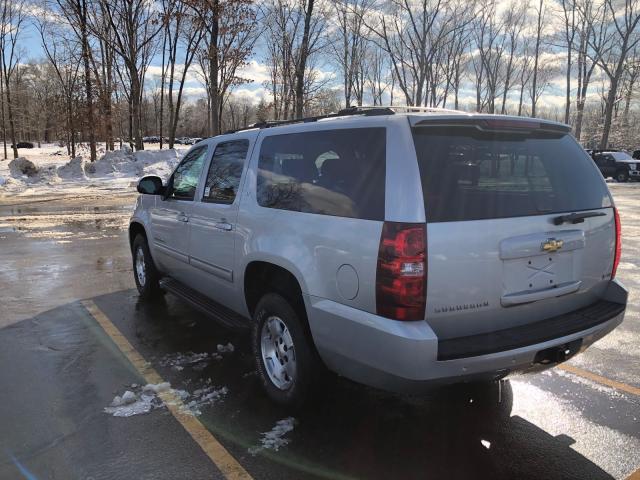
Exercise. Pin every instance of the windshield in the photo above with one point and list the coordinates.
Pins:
(468, 174)
(623, 157)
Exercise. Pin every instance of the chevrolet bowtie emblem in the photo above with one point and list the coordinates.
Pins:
(551, 245)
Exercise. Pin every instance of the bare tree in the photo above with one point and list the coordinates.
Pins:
(77, 16)
(135, 25)
(12, 18)
(611, 55)
(350, 47)
(63, 55)
(571, 22)
(540, 17)
(230, 36)
(303, 56)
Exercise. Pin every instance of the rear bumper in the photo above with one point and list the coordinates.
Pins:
(403, 357)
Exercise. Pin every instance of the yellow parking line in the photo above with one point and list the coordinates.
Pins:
(219, 455)
(600, 379)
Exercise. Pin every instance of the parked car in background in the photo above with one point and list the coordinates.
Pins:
(24, 145)
(636, 154)
(616, 164)
(399, 250)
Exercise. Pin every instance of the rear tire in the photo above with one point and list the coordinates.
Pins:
(144, 270)
(285, 360)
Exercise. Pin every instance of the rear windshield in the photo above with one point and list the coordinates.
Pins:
(468, 174)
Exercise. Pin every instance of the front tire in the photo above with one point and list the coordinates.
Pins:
(622, 176)
(144, 270)
(285, 360)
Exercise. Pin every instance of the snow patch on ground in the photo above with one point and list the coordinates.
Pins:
(178, 361)
(275, 438)
(196, 361)
(140, 400)
(202, 397)
(130, 403)
(228, 348)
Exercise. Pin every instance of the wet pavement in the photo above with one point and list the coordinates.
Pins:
(59, 369)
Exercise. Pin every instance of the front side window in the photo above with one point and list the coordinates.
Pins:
(184, 180)
(223, 178)
(333, 172)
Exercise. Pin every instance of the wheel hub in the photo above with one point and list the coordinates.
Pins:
(141, 270)
(278, 353)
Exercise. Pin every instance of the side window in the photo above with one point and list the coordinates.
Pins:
(184, 180)
(333, 172)
(223, 178)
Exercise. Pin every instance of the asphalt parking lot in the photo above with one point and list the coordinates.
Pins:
(73, 336)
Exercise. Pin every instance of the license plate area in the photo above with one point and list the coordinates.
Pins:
(528, 270)
(539, 272)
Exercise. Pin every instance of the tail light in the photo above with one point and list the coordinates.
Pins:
(401, 278)
(618, 251)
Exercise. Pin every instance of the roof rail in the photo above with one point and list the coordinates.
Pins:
(367, 111)
(410, 109)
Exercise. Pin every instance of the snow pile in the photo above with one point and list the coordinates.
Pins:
(274, 439)
(21, 167)
(126, 163)
(75, 169)
(115, 169)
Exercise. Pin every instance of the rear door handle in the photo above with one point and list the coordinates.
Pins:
(223, 226)
(182, 217)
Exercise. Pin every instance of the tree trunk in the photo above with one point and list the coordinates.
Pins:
(608, 113)
(534, 82)
(82, 11)
(214, 94)
(164, 48)
(302, 62)
(567, 107)
(12, 124)
(4, 126)
(135, 107)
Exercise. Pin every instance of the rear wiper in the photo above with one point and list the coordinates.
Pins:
(576, 217)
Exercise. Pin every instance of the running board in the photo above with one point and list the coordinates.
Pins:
(211, 308)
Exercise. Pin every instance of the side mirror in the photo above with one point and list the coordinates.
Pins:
(150, 185)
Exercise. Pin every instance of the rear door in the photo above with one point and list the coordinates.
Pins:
(213, 224)
(499, 253)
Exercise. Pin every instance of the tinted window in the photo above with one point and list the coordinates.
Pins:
(223, 178)
(468, 174)
(336, 172)
(185, 178)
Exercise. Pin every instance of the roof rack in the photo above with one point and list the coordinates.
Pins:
(367, 111)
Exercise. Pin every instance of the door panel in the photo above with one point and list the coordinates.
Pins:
(213, 226)
(169, 220)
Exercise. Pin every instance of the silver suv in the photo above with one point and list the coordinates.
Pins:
(396, 248)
